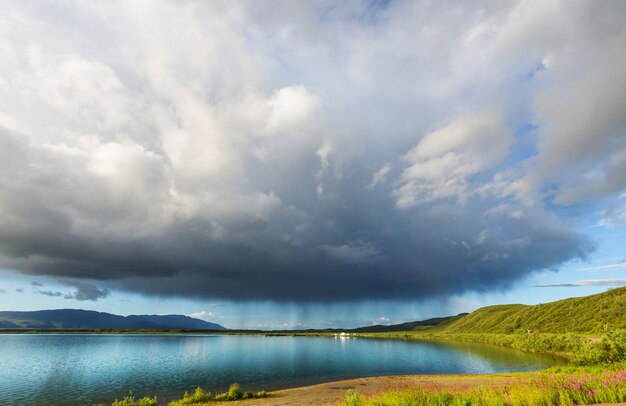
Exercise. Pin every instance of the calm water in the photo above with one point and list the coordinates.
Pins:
(83, 369)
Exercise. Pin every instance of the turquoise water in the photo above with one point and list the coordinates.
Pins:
(85, 369)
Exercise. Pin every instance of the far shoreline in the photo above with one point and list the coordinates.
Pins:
(422, 336)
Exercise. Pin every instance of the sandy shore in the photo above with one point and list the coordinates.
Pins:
(332, 392)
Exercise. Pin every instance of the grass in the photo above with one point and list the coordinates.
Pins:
(560, 344)
(200, 396)
(609, 347)
(552, 387)
(602, 380)
(130, 400)
(593, 314)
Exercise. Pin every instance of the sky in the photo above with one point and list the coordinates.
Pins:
(295, 164)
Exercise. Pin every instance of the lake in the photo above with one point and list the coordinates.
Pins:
(55, 369)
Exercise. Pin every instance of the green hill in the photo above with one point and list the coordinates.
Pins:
(589, 314)
(412, 325)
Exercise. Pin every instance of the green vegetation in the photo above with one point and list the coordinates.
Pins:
(581, 350)
(200, 396)
(584, 315)
(611, 349)
(131, 401)
(562, 387)
(197, 397)
(589, 330)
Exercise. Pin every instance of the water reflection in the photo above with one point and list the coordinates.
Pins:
(85, 369)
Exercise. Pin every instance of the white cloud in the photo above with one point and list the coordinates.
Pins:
(324, 153)
(578, 98)
(440, 165)
(204, 142)
(291, 107)
(615, 214)
(588, 282)
(203, 314)
(380, 176)
(608, 267)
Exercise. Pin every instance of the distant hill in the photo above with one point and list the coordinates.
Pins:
(86, 319)
(588, 314)
(411, 325)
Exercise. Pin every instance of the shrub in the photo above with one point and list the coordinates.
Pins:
(235, 392)
(613, 346)
(352, 398)
(131, 401)
(612, 349)
(198, 396)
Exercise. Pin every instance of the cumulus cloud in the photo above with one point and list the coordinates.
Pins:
(84, 291)
(582, 145)
(440, 165)
(305, 152)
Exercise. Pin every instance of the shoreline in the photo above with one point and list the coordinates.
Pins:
(417, 335)
(333, 393)
(330, 393)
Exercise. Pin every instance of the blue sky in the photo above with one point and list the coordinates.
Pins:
(310, 164)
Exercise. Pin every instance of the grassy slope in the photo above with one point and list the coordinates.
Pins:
(587, 315)
(553, 387)
(550, 324)
(576, 327)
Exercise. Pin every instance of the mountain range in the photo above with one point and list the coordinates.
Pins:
(587, 314)
(87, 319)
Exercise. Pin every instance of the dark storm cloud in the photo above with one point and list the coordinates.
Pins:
(365, 248)
(84, 291)
(349, 159)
